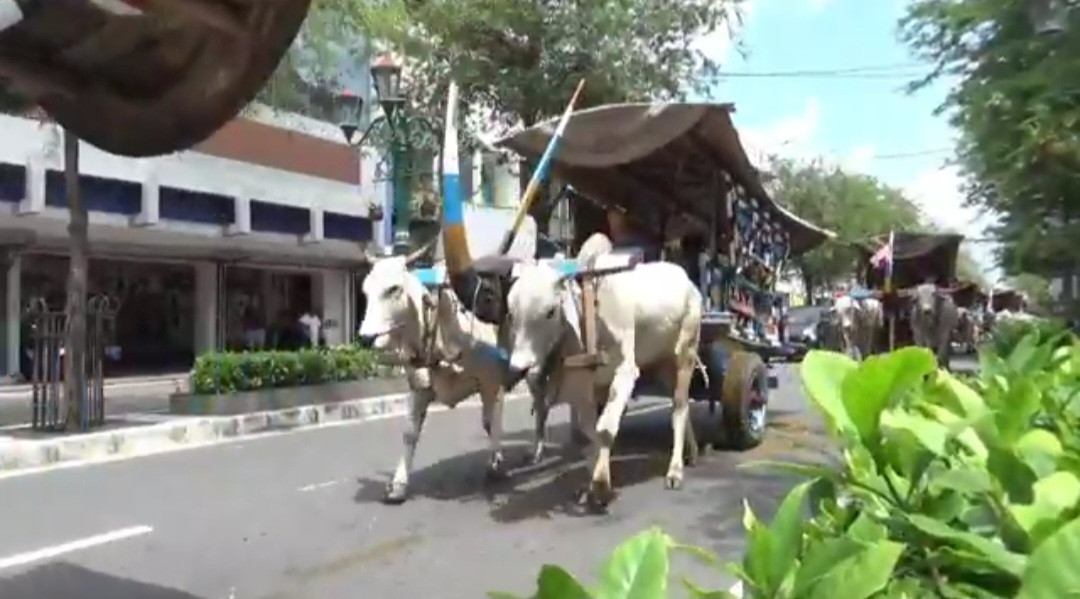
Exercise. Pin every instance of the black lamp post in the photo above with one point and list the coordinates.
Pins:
(405, 130)
(1050, 17)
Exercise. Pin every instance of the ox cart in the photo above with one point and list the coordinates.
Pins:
(918, 258)
(679, 175)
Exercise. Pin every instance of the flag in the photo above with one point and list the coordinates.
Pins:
(884, 257)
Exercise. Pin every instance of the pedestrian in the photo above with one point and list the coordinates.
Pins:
(311, 325)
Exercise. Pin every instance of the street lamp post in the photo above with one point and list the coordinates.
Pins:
(405, 131)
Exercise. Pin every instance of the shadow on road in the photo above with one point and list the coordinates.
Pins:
(62, 580)
(640, 456)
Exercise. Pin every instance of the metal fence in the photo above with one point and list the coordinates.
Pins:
(47, 335)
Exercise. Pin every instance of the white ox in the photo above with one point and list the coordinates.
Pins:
(859, 321)
(934, 317)
(648, 317)
(448, 354)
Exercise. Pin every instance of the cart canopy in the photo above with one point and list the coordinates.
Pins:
(917, 257)
(653, 159)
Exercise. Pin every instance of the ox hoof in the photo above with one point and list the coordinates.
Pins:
(536, 457)
(396, 494)
(673, 482)
(597, 498)
(496, 471)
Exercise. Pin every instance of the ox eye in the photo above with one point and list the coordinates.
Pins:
(392, 291)
(550, 313)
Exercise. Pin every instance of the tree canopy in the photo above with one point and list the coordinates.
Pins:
(522, 59)
(1016, 108)
(856, 207)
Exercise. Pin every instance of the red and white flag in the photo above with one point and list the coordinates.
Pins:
(884, 256)
(121, 7)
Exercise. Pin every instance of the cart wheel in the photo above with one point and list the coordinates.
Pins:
(744, 397)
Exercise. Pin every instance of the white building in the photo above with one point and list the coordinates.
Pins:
(263, 221)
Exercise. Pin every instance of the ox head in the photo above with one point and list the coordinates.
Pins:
(535, 319)
(394, 297)
(924, 300)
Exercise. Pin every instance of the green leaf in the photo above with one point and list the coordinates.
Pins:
(697, 592)
(638, 569)
(878, 384)
(860, 575)
(823, 376)
(1040, 450)
(865, 530)
(819, 558)
(556, 583)
(786, 536)
(995, 554)
(966, 480)
(1052, 571)
(1053, 495)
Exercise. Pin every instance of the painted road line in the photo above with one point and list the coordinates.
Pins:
(317, 486)
(22, 559)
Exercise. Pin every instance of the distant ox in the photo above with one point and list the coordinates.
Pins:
(649, 317)
(934, 317)
(859, 321)
(448, 356)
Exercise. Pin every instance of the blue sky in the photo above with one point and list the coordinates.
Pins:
(861, 123)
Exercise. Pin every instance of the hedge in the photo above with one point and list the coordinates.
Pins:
(229, 372)
(944, 490)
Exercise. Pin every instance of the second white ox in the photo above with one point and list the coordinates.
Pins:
(448, 355)
(649, 317)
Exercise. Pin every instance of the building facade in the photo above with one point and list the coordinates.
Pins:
(199, 250)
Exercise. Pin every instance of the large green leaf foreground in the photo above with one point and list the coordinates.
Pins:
(944, 490)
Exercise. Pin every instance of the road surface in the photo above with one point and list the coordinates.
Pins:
(297, 516)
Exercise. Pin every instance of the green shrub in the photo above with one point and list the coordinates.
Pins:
(229, 372)
(944, 491)
(1006, 334)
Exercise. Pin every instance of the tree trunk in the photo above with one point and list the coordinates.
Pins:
(75, 308)
(808, 285)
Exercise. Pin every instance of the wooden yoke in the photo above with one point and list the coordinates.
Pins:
(591, 358)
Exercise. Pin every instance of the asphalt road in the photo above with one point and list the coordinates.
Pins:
(297, 516)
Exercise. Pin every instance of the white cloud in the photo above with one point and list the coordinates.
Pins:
(860, 159)
(791, 136)
(938, 193)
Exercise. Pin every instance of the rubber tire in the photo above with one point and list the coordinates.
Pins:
(742, 370)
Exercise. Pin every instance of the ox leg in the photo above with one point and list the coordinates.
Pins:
(607, 429)
(540, 418)
(680, 428)
(492, 402)
(397, 491)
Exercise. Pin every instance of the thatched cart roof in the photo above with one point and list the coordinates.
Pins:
(651, 158)
(917, 257)
(149, 84)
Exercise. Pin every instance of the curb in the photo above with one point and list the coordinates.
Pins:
(19, 454)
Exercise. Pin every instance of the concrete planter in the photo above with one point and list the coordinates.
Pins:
(246, 402)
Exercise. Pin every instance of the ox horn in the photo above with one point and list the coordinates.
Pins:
(459, 263)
